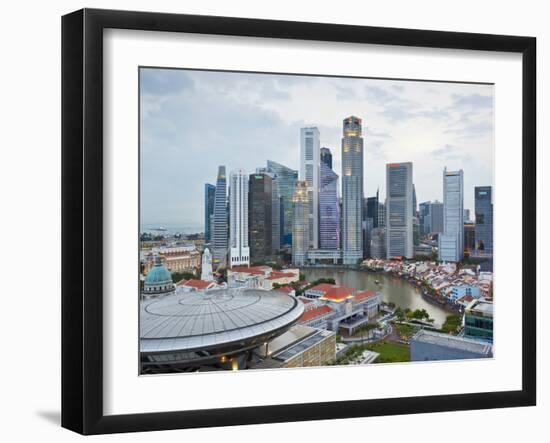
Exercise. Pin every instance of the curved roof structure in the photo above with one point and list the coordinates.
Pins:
(215, 319)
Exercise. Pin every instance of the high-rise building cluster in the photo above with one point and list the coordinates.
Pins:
(252, 217)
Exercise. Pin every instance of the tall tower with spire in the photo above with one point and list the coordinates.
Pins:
(352, 190)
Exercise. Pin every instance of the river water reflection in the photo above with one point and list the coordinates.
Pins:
(392, 289)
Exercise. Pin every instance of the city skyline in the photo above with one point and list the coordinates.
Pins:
(268, 128)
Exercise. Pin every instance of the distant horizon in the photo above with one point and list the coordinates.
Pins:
(194, 121)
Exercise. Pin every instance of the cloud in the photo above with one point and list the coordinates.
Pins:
(446, 152)
(161, 82)
(472, 102)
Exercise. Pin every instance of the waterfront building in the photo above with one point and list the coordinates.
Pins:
(316, 315)
(399, 218)
(469, 238)
(436, 218)
(261, 196)
(378, 243)
(466, 215)
(310, 161)
(352, 190)
(158, 281)
(457, 291)
(209, 193)
(484, 219)
(329, 210)
(300, 223)
(478, 320)
(238, 212)
(429, 345)
(286, 180)
(326, 157)
(220, 228)
(451, 241)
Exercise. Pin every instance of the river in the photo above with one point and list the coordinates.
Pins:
(392, 289)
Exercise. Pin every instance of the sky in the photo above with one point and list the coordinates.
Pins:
(194, 121)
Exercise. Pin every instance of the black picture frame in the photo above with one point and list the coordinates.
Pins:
(82, 218)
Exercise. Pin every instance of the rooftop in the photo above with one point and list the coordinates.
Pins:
(482, 307)
(250, 269)
(322, 287)
(364, 295)
(198, 284)
(338, 294)
(319, 311)
(452, 341)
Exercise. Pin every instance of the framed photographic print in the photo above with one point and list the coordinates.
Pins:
(269, 221)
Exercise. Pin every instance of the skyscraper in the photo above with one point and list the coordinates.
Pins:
(372, 209)
(381, 215)
(484, 218)
(209, 193)
(352, 191)
(326, 157)
(219, 234)
(309, 172)
(238, 225)
(436, 218)
(329, 209)
(261, 195)
(300, 223)
(275, 209)
(451, 241)
(399, 206)
(414, 202)
(424, 217)
(378, 243)
(286, 180)
(469, 237)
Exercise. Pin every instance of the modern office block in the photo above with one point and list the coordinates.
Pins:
(484, 218)
(220, 224)
(326, 157)
(378, 243)
(381, 215)
(310, 161)
(260, 204)
(300, 223)
(451, 242)
(329, 210)
(424, 217)
(239, 253)
(286, 180)
(436, 218)
(372, 209)
(209, 194)
(399, 217)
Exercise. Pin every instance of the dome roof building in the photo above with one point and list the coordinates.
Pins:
(158, 281)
